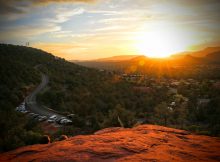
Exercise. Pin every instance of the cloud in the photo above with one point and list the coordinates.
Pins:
(105, 12)
(51, 24)
(9, 7)
(121, 20)
(64, 15)
(110, 28)
(26, 31)
(61, 1)
(109, 23)
(196, 2)
(61, 34)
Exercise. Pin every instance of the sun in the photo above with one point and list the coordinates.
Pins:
(160, 43)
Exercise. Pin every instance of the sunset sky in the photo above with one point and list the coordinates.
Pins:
(90, 29)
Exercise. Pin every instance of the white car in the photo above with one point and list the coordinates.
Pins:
(65, 121)
(35, 115)
(42, 118)
(31, 114)
(21, 108)
(24, 111)
(50, 121)
(53, 117)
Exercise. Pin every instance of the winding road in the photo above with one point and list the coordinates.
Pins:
(31, 102)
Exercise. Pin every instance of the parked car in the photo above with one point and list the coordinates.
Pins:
(20, 108)
(31, 114)
(24, 111)
(66, 122)
(53, 117)
(42, 118)
(50, 121)
(59, 119)
(35, 115)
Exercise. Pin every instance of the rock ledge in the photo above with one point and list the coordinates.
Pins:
(142, 143)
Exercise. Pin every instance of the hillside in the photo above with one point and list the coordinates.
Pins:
(101, 99)
(20, 69)
(18, 78)
(142, 143)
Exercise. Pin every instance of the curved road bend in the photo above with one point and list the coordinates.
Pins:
(32, 104)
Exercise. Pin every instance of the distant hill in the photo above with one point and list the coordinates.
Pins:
(205, 52)
(213, 57)
(116, 58)
(164, 67)
(201, 53)
(124, 58)
(207, 56)
(188, 60)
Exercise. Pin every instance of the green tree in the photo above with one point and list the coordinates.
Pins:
(162, 113)
(119, 117)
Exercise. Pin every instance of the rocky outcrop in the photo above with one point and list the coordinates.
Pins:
(142, 143)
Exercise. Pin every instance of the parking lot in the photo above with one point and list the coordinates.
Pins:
(40, 113)
(55, 119)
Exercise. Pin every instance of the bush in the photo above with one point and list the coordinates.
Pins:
(119, 117)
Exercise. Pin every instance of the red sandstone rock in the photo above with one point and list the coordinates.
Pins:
(142, 143)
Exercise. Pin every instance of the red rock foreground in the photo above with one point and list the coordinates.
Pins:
(142, 143)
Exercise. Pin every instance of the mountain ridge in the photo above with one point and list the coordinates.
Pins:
(200, 53)
(211, 56)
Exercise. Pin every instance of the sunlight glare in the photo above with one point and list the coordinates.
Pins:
(160, 43)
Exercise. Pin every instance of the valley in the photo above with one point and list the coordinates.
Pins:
(101, 98)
